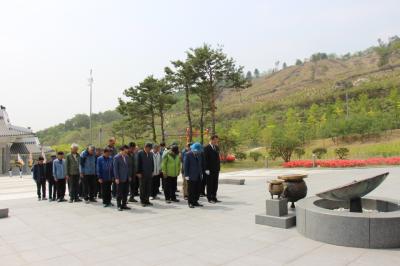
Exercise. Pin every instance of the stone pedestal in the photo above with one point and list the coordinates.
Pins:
(4, 213)
(277, 214)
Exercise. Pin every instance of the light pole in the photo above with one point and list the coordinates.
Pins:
(90, 116)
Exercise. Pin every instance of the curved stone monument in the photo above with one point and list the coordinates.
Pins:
(342, 217)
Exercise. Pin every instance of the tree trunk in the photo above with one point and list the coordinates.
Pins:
(162, 125)
(189, 117)
(202, 120)
(153, 127)
(213, 108)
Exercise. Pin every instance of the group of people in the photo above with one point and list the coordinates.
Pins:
(131, 172)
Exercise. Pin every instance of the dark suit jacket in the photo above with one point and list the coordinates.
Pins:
(37, 175)
(121, 168)
(212, 159)
(193, 166)
(145, 164)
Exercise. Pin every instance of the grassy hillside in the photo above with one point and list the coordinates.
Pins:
(249, 111)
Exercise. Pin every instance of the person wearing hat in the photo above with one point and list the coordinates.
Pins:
(121, 176)
(193, 170)
(50, 178)
(105, 173)
(39, 175)
(72, 162)
(60, 174)
(171, 166)
(145, 173)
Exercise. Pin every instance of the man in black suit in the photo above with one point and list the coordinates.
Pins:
(212, 166)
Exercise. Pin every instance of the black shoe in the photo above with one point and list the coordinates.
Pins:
(44, 198)
(191, 206)
(149, 204)
(39, 199)
(93, 200)
(126, 208)
(198, 204)
(78, 200)
(217, 201)
(120, 209)
(70, 201)
(106, 205)
(131, 199)
(175, 200)
(185, 198)
(212, 201)
(87, 202)
(168, 201)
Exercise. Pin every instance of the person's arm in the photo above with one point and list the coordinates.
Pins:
(68, 163)
(187, 166)
(140, 164)
(54, 171)
(206, 160)
(116, 170)
(164, 165)
(98, 167)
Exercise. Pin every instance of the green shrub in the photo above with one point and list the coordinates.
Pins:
(240, 155)
(319, 152)
(342, 152)
(299, 152)
(255, 155)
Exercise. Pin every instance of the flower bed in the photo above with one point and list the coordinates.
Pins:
(344, 163)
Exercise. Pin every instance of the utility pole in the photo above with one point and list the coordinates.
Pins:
(90, 117)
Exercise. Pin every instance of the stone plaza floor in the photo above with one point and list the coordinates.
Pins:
(49, 233)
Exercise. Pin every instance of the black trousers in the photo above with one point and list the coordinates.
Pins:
(89, 186)
(52, 188)
(114, 189)
(169, 188)
(41, 185)
(212, 185)
(175, 181)
(73, 185)
(134, 187)
(203, 184)
(60, 188)
(155, 185)
(122, 193)
(145, 188)
(106, 191)
(194, 191)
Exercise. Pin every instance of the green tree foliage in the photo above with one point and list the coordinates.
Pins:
(256, 73)
(319, 152)
(298, 62)
(240, 155)
(342, 152)
(318, 56)
(299, 152)
(384, 50)
(255, 155)
(284, 65)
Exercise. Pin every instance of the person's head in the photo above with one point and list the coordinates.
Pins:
(123, 150)
(156, 148)
(98, 152)
(189, 145)
(53, 157)
(132, 147)
(40, 160)
(147, 147)
(214, 140)
(91, 149)
(60, 155)
(162, 145)
(106, 152)
(175, 149)
(74, 148)
(111, 141)
(196, 147)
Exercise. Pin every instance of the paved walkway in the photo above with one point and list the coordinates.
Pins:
(43, 233)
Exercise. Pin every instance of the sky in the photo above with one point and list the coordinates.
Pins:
(47, 48)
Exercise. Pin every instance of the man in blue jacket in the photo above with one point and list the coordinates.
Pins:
(193, 171)
(105, 173)
(87, 169)
(60, 173)
(121, 175)
(39, 175)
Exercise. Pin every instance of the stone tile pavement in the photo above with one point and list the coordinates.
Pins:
(44, 233)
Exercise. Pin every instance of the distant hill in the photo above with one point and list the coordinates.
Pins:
(318, 80)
